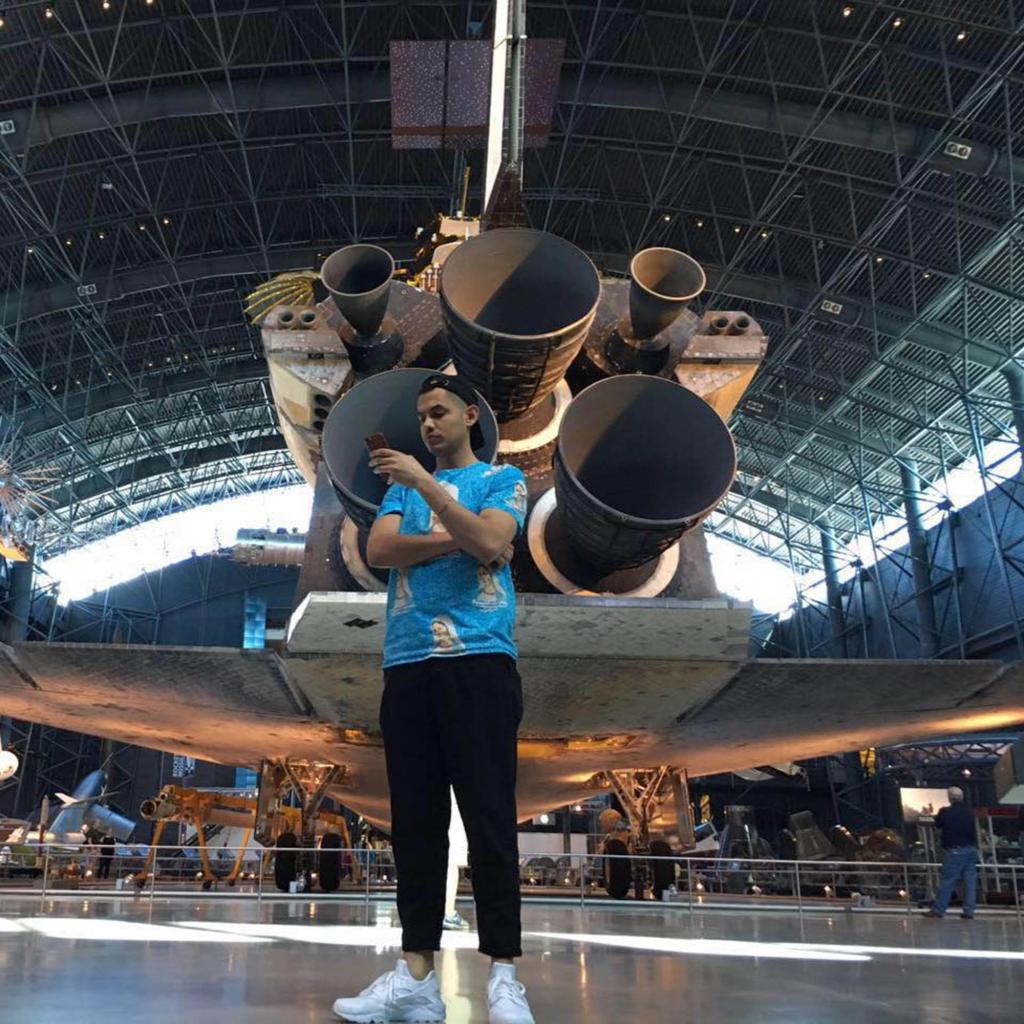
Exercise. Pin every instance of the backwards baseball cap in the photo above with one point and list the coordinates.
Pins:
(460, 389)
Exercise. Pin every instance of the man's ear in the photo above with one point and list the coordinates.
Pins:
(472, 415)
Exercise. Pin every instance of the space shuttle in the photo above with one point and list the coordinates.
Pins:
(612, 396)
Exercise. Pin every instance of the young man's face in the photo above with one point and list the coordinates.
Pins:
(444, 421)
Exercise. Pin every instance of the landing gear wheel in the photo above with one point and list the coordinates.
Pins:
(617, 872)
(286, 860)
(663, 872)
(329, 867)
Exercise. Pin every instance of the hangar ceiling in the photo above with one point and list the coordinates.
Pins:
(851, 174)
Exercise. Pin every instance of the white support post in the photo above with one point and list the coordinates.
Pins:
(496, 119)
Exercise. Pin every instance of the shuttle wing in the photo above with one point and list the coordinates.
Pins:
(583, 715)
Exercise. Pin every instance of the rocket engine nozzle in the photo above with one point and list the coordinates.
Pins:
(384, 403)
(640, 460)
(359, 279)
(663, 281)
(517, 304)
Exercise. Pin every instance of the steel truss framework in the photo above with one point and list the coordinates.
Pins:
(162, 159)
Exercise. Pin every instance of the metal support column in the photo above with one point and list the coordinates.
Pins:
(927, 629)
(833, 589)
(15, 610)
(515, 119)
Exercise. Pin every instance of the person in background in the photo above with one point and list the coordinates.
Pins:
(959, 855)
(106, 857)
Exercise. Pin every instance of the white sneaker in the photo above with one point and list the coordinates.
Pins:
(395, 996)
(506, 997)
(455, 922)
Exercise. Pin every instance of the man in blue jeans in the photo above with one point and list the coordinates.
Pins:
(960, 855)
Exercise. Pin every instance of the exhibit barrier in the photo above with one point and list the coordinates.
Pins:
(690, 883)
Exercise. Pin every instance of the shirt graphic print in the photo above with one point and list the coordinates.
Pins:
(452, 605)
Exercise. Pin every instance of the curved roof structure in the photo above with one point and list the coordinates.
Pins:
(852, 174)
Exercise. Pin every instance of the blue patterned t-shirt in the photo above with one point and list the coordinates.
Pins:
(452, 605)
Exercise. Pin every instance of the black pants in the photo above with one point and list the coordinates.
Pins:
(453, 722)
(104, 866)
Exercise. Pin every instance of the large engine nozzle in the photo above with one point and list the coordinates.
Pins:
(517, 304)
(384, 403)
(640, 460)
(663, 282)
(359, 279)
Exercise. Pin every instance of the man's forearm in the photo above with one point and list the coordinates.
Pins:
(401, 551)
(470, 533)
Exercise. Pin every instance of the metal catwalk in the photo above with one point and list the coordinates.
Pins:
(116, 961)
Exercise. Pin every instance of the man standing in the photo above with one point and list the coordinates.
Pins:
(452, 700)
(960, 854)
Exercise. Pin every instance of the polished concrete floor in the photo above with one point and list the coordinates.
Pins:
(113, 961)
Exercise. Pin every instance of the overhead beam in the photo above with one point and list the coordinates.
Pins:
(39, 125)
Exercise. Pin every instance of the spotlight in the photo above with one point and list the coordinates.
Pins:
(879, 259)
(700, 223)
(847, 10)
(927, 275)
(103, 235)
(2, 22)
(167, 220)
(966, 773)
(48, 12)
(106, 5)
(67, 241)
(667, 217)
(142, 227)
(961, 35)
(897, 23)
(903, 894)
(736, 229)
(828, 891)
(764, 234)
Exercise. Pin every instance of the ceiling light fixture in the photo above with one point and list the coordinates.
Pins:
(878, 259)
(48, 12)
(961, 35)
(897, 23)
(847, 10)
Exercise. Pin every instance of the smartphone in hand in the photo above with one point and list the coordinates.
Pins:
(375, 442)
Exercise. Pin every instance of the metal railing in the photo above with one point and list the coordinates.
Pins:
(690, 882)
